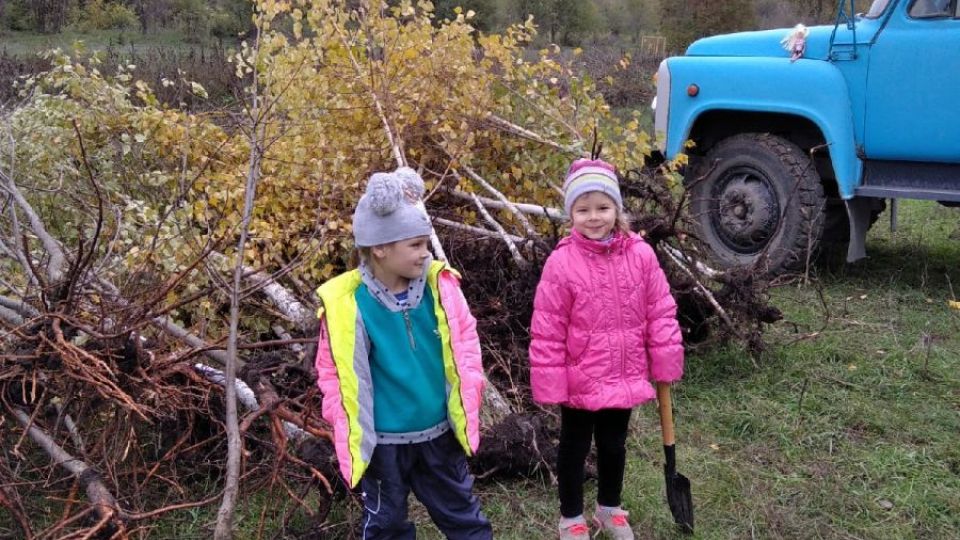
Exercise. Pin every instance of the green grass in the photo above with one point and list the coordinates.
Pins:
(25, 43)
(849, 427)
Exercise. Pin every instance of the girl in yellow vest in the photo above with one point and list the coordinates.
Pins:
(399, 367)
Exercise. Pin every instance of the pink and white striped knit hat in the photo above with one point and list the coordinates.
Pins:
(586, 175)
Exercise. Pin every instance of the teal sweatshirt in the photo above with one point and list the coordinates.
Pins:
(406, 364)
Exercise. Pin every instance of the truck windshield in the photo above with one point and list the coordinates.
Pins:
(877, 8)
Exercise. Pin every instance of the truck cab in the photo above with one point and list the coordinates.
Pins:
(787, 154)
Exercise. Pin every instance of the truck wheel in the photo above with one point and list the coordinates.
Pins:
(757, 200)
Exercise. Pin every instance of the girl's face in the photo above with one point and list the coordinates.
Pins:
(405, 258)
(594, 215)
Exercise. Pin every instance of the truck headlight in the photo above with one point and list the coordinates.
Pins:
(661, 103)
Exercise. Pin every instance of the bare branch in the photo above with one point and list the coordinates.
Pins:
(257, 136)
(702, 268)
(531, 232)
(166, 324)
(16, 253)
(517, 257)
(246, 397)
(532, 209)
(103, 500)
(18, 306)
(245, 394)
(10, 500)
(58, 260)
(476, 230)
(173, 329)
(74, 433)
(525, 133)
(281, 297)
(703, 290)
(282, 333)
(11, 317)
(434, 239)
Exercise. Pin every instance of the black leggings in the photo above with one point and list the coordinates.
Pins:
(577, 430)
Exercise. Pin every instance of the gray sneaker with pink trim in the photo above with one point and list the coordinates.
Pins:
(614, 523)
(575, 531)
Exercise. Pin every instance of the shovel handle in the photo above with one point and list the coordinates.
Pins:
(666, 413)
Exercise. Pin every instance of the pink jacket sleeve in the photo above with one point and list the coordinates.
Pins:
(466, 347)
(548, 332)
(332, 405)
(663, 338)
(468, 341)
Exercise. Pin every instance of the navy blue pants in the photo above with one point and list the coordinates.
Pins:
(437, 473)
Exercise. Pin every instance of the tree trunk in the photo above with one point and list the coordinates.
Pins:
(224, 527)
(50, 15)
(143, 16)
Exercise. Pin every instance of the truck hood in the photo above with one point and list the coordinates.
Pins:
(766, 43)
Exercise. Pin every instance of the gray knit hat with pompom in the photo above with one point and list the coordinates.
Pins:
(389, 210)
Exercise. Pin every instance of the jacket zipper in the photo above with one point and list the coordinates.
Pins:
(409, 325)
(616, 290)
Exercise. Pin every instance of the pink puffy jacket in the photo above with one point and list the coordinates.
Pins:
(604, 325)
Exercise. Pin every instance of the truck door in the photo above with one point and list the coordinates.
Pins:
(913, 88)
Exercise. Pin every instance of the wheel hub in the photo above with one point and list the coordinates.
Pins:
(747, 212)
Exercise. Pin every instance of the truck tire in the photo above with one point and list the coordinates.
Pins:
(757, 201)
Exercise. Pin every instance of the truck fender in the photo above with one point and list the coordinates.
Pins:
(813, 89)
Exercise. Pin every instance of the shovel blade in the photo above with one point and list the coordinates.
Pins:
(680, 500)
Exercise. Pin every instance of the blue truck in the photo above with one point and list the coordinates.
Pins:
(787, 154)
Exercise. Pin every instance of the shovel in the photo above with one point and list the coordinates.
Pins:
(678, 486)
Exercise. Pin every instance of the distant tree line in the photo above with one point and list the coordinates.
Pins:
(565, 22)
(197, 19)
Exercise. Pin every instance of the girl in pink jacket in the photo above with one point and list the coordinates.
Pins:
(604, 330)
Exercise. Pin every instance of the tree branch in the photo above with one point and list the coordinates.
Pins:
(281, 297)
(257, 138)
(511, 206)
(11, 317)
(702, 268)
(703, 290)
(532, 209)
(476, 230)
(180, 333)
(246, 396)
(525, 133)
(517, 257)
(58, 260)
(395, 144)
(19, 306)
(103, 500)
(393, 138)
